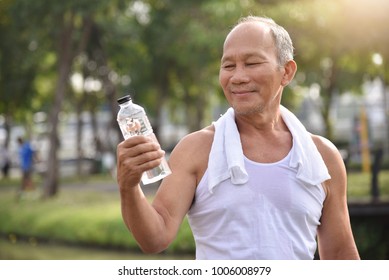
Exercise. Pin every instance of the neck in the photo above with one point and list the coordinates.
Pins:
(266, 120)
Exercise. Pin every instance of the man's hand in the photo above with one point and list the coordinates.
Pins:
(136, 155)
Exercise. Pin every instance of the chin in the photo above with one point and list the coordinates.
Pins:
(247, 110)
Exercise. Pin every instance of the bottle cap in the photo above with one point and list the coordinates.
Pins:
(124, 99)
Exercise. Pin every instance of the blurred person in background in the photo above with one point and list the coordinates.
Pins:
(26, 159)
(5, 162)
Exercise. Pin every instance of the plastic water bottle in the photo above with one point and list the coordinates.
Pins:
(132, 121)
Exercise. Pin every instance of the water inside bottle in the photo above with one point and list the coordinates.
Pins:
(158, 172)
(131, 127)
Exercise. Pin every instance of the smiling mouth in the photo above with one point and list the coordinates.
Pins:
(241, 92)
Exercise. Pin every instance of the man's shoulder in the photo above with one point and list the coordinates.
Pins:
(193, 151)
(324, 145)
(329, 153)
(197, 143)
(202, 137)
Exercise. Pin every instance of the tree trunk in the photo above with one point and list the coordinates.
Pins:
(385, 144)
(329, 87)
(79, 136)
(109, 86)
(66, 54)
(64, 65)
(7, 127)
(99, 149)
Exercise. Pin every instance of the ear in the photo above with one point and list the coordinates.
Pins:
(290, 70)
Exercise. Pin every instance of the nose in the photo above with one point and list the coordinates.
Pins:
(239, 75)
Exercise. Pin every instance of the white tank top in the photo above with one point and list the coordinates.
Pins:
(272, 216)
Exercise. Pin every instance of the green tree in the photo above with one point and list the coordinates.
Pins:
(180, 44)
(334, 41)
(18, 56)
(64, 28)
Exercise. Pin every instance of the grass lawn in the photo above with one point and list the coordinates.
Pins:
(32, 250)
(75, 216)
(359, 185)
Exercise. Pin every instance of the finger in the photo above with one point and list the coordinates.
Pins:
(130, 170)
(135, 151)
(134, 141)
(150, 164)
(141, 159)
(149, 157)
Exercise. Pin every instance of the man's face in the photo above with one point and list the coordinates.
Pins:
(249, 74)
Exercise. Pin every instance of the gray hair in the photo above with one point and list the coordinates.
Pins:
(282, 40)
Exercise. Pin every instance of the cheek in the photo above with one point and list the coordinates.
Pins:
(223, 79)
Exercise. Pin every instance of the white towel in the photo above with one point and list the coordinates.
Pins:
(226, 160)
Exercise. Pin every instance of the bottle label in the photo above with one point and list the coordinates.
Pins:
(134, 126)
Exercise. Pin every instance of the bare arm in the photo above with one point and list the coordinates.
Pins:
(136, 155)
(335, 235)
(155, 225)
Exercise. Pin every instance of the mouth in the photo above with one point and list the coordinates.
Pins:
(242, 92)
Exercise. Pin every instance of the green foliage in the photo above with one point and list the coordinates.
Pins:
(372, 242)
(169, 51)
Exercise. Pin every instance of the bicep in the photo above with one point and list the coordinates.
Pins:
(176, 192)
(335, 234)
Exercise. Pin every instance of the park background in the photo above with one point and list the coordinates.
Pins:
(64, 64)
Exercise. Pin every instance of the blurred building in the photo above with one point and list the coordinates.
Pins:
(345, 115)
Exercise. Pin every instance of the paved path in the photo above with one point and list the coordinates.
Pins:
(105, 185)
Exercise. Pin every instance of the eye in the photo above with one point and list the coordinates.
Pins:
(228, 66)
(253, 63)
